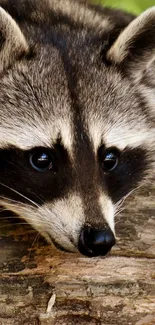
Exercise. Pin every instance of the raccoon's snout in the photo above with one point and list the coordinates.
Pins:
(94, 242)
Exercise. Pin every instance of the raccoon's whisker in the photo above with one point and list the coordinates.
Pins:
(119, 211)
(38, 197)
(3, 210)
(20, 194)
(119, 203)
(33, 243)
(11, 200)
(17, 217)
(22, 203)
(20, 213)
(9, 217)
(20, 224)
(117, 222)
(13, 217)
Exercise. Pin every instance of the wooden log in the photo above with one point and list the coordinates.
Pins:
(42, 286)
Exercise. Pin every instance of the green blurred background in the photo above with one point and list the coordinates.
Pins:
(135, 6)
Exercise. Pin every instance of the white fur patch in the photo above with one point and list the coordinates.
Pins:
(108, 211)
(39, 133)
(61, 221)
(124, 137)
(67, 218)
(120, 135)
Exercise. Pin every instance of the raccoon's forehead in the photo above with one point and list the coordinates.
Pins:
(35, 106)
(115, 111)
(40, 104)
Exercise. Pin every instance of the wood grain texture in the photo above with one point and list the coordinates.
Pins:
(118, 289)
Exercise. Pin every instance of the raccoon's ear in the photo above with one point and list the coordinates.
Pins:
(12, 41)
(135, 46)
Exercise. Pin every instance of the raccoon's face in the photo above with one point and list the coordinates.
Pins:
(76, 134)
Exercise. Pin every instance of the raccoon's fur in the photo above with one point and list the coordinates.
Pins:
(77, 115)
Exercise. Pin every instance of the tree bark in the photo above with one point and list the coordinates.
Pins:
(42, 286)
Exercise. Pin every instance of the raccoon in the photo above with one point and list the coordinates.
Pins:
(77, 116)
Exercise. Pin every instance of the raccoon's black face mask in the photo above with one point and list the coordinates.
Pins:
(76, 117)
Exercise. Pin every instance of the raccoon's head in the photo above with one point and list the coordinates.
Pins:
(76, 125)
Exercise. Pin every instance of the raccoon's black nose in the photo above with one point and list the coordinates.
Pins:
(94, 242)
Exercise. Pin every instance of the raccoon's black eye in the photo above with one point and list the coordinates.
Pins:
(110, 159)
(41, 160)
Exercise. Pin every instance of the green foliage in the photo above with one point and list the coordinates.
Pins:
(135, 6)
